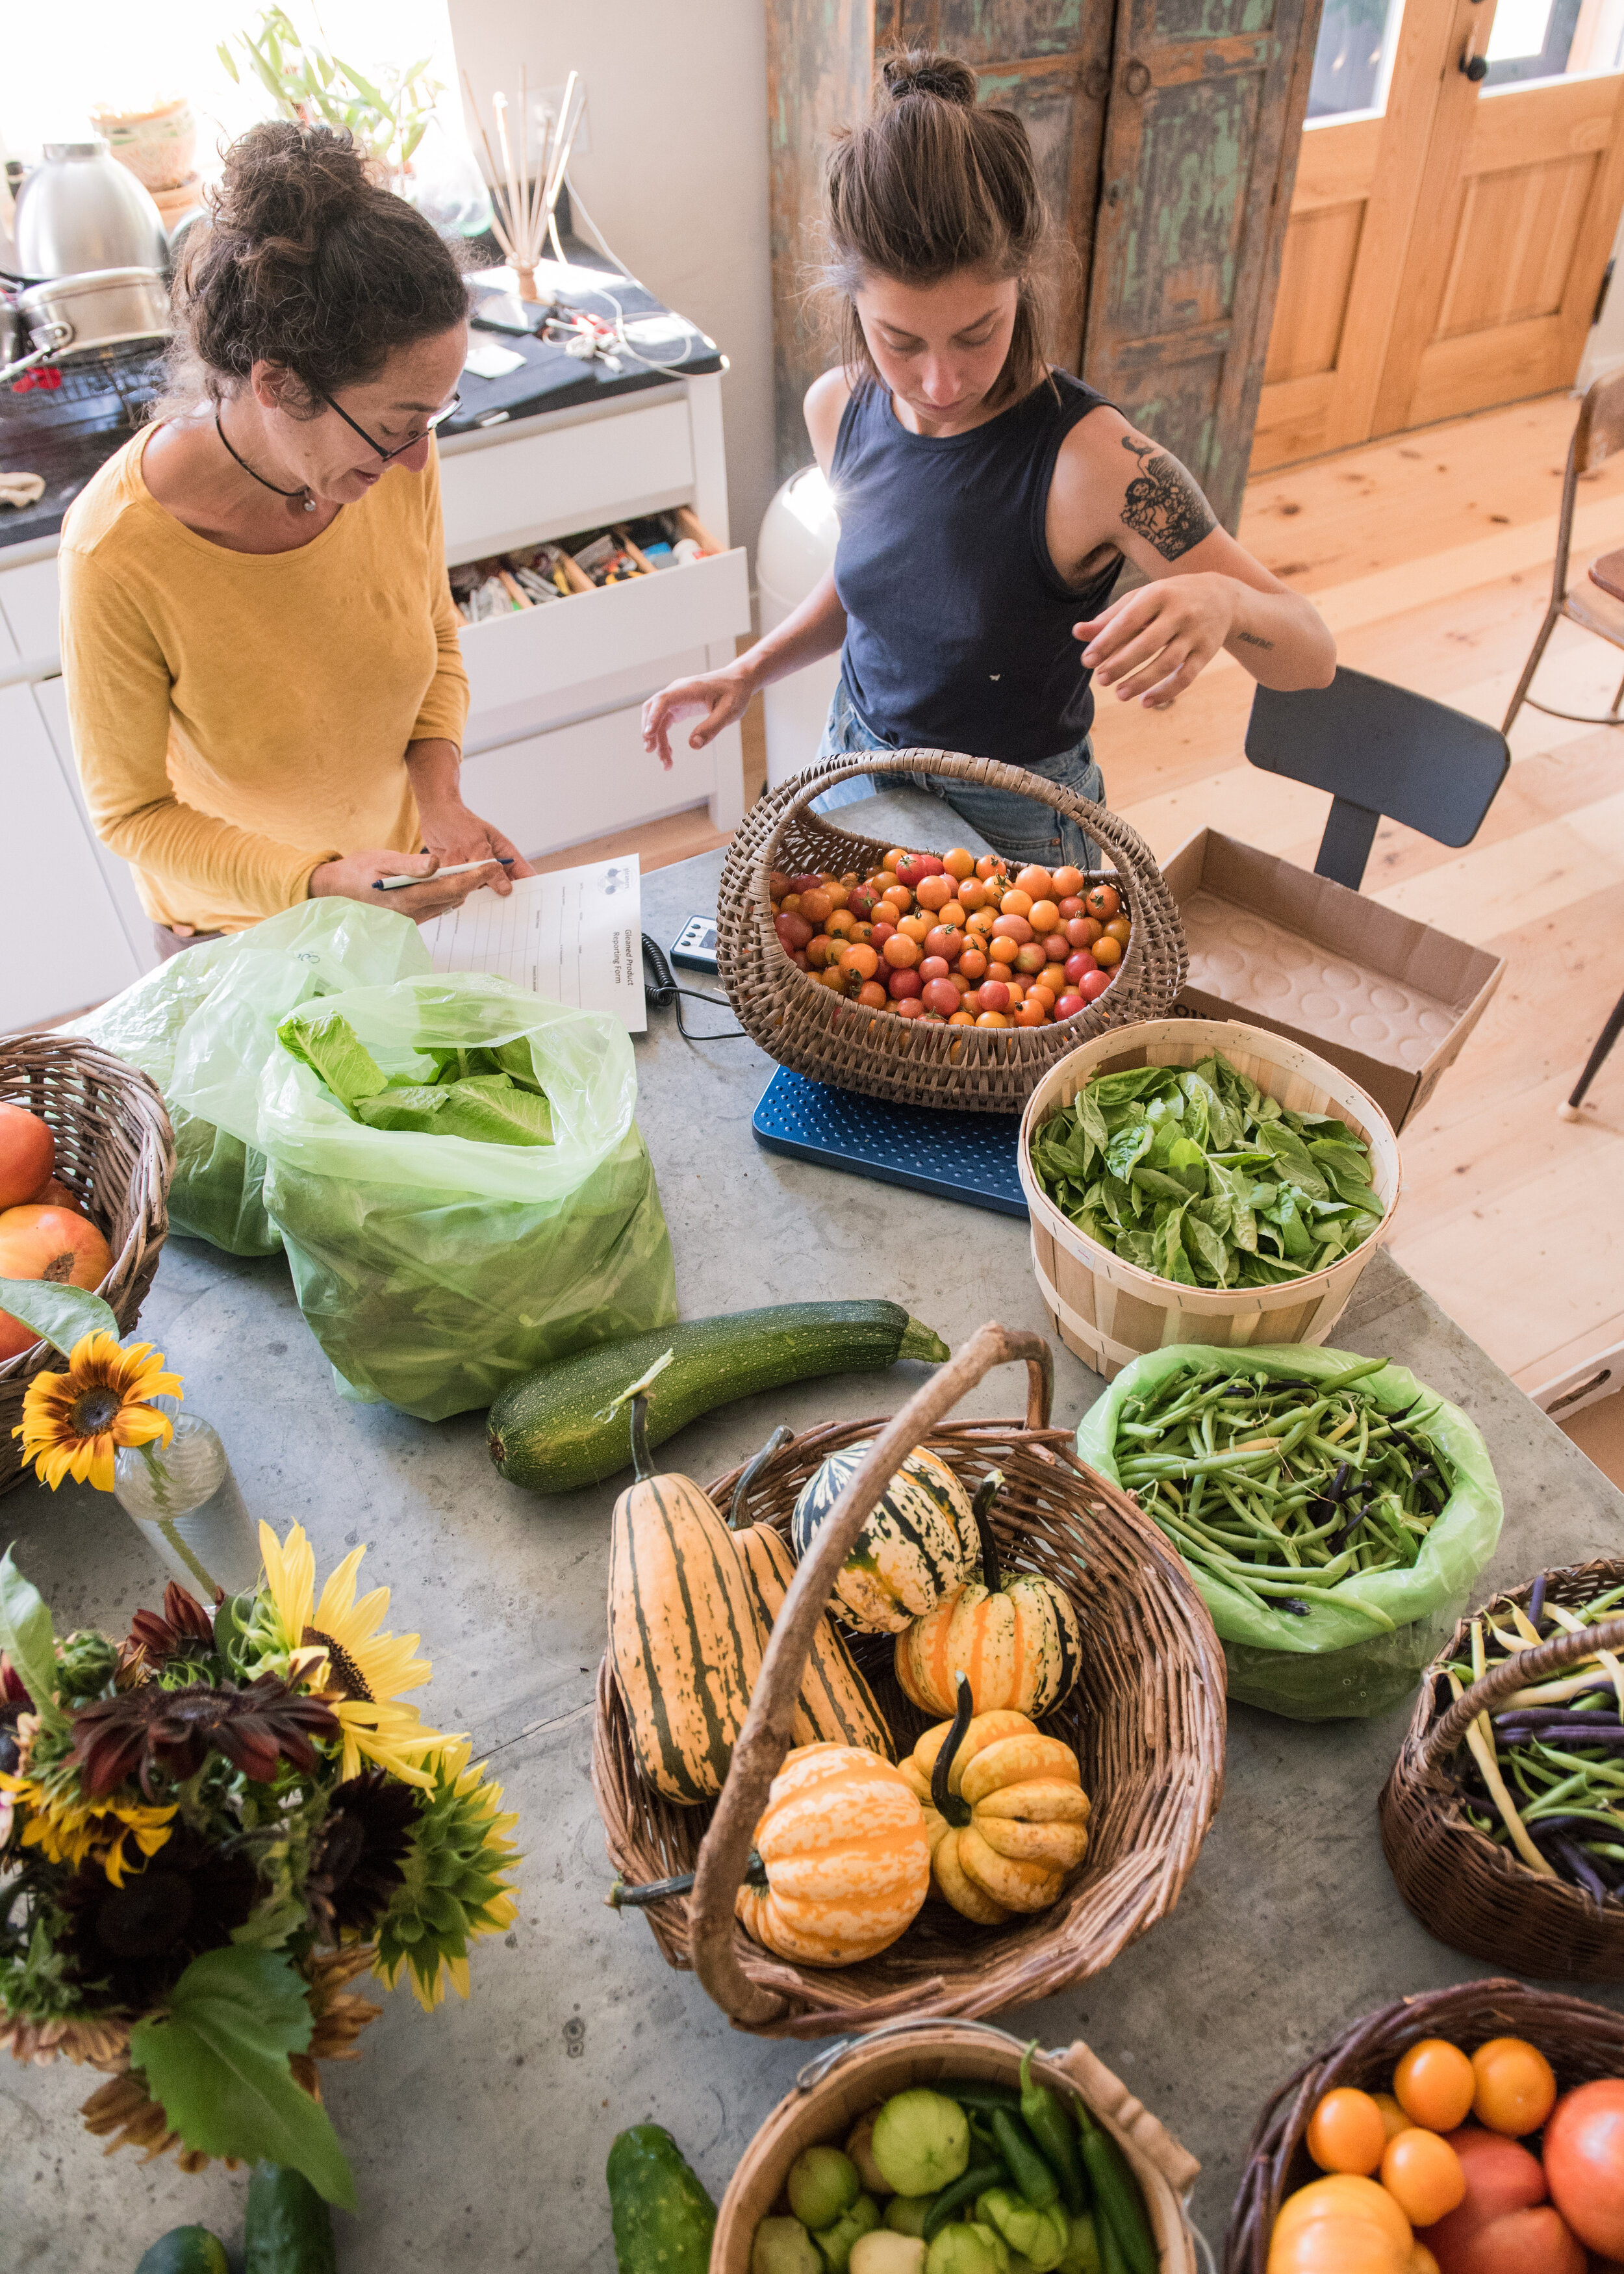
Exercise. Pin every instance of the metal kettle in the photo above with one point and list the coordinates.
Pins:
(80, 210)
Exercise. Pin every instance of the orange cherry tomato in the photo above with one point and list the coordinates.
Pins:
(988, 865)
(961, 1018)
(1516, 2085)
(991, 1019)
(841, 892)
(1035, 881)
(953, 913)
(872, 995)
(1016, 903)
(910, 1008)
(959, 863)
(1044, 916)
(900, 898)
(859, 957)
(842, 923)
(1392, 2115)
(833, 977)
(1004, 951)
(901, 952)
(1346, 2132)
(1119, 928)
(1434, 2082)
(1344, 2199)
(934, 892)
(1107, 952)
(915, 928)
(1068, 883)
(1053, 977)
(1101, 900)
(819, 950)
(983, 921)
(1423, 2175)
(816, 907)
(1043, 993)
(973, 963)
(863, 930)
(1032, 1014)
(971, 894)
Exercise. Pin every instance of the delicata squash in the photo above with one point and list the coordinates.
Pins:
(919, 1542)
(1005, 1811)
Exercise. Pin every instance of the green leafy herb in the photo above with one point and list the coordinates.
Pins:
(490, 1095)
(1196, 1175)
(29, 1641)
(59, 1316)
(486, 1108)
(218, 2063)
(330, 1046)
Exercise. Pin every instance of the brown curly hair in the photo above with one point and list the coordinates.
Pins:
(932, 181)
(307, 262)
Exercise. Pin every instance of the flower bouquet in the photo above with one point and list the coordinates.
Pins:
(207, 1830)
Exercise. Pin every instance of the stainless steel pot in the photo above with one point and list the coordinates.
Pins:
(103, 309)
(80, 212)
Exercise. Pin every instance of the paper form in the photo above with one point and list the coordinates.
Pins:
(575, 936)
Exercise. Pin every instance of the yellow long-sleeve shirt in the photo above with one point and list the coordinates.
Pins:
(240, 717)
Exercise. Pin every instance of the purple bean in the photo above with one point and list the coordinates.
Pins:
(1536, 1601)
(1579, 1870)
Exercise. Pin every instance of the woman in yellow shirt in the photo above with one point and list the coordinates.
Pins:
(259, 646)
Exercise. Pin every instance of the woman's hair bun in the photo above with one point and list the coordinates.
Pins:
(285, 186)
(914, 71)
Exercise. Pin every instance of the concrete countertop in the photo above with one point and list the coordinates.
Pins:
(479, 2135)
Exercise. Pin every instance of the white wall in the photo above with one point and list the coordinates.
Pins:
(676, 174)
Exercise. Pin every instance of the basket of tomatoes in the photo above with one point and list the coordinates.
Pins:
(86, 1156)
(1475, 2130)
(937, 980)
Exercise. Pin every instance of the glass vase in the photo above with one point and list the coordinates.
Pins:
(185, 1504)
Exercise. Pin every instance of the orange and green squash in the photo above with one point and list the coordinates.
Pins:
(919, 1542)
(844, 1863)
(1005, 1811)
(1016, 1638)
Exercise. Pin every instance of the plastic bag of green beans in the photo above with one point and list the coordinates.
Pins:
(1360, 1645)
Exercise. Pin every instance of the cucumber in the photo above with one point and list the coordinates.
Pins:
(290, 2229)
(545, 1433)
(186, 2250)
(664, 2220)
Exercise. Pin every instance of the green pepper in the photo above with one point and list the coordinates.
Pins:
(1119, 2222)
(977, 2093)
(1045, 2117)
(962, 2191)
(1028, 2168)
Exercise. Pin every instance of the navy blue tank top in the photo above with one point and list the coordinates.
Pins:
(959, 625)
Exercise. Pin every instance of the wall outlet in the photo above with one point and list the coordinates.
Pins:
(544, 109)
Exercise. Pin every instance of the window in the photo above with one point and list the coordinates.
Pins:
(1353, 58)
(1553, 38)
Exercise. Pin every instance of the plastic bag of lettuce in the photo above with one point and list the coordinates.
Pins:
(451, 1163)
(1356, 1647)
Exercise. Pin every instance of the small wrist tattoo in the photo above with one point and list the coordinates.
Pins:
(1251, 639)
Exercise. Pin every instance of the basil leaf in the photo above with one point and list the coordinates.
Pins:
(1130, 1144)
(218, 2064)
(1204, 1245)
(59, 1316)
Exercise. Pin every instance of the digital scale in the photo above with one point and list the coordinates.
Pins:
(695, 945)
(969, 1157)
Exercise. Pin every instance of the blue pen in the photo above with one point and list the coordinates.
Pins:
(399, 884)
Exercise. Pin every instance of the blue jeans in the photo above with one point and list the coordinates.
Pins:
(1019, 828)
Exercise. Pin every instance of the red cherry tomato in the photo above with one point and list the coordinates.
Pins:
(994, 996)
(903, 983)
(944, 940)
(1068, 1006)
(1069, 907)
(1584, 2162)
(934, 967)
(1079, 965)
(794, 932)
(941, 995)
(1093, 985)
(910, 1008)
(1057, 947)
(1528, 2242)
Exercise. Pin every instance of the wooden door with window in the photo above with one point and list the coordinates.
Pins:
(1459, 184)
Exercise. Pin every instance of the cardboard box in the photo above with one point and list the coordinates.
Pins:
(1388, 1000)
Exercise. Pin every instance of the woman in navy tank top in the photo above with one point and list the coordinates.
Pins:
(987, 502)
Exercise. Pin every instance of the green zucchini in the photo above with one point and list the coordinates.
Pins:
(186, 2250)
(662, 2218)
(289, 2228)
(549, 1432)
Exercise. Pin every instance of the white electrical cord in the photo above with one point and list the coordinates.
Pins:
(623, 345)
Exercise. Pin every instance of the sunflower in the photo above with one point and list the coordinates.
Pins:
(73, 1423)
(73, 1830)
(139, 1940)
(356, 1864)
(456, 1886)
(334, 1642)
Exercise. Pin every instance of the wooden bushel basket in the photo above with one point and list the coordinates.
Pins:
(834, 2090)
(116, 1153)
(971, 1069)
(1465, 1888)
(1147, 1720)
(1581, 2042)
(1108, 1310)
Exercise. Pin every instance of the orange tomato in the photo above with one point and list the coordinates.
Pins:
(973, 963)
(1044, 916)
(840, 923)
(961, 1018)
(833, 977)
(901, 952)
(952, 913)
(1067, 882)
(935, 892)
(1583, 2156)
(816, 907)
(1043, 993)
(1101, 900)
(900, 898)
(991, 1019)
(1032, 1014)
(1119, 928)
(1107, 952)
(959, 863)
(971, 894)
(1011, 927)
(1346, 2132)
(818, 951)
(988, 865)
(1053, 977)
(1516, 2087)
(1423, 2175)
(1036, 882)
(872, 995)
(1434, 2082)
(1345, 2198)
(1016, 903)
(1004, 951)
(915, 927)
(1337, 2247)
(859, 958)
(1392, 2115)
(841, 892)
(863, 930)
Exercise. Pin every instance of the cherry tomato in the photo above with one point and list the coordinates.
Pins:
(971, 894)
(1044, 916)
(915, 928)
(1535, 2241)
(1093, 985)
(793, 931)
(1035, 881)
(1056, 946)
(988, 865)
(1015, 903)
(992, 1019)
(819, 951)
(778, 884)
(1069, 907)
(1346, 2132)
(1433, 2083)
(970, 1001)
(871, 995)
(1106, 953)
(994, 996)
(973, 963)
(839, 893)
(1030, 958)
(1119, 928)
(941, 995)
(1392, 2115)
(1082, 931)
(952, 914)
(833, 977)
(910, 1008)
(862, 901)
(1077, 965)
(1053, 977)
(1584, 2162)
(809, 880)
(959, 863)
(816, 907)
(901, 952)
(945, 941)
(895, 858)
(1421, 2261)
(1015, 927)
(1068, 1006)
(1421, 2173)
(1068, 882)
(1043, 993)
(1004, 951)
(960, 1017)
(932, 966)
(900, 898)
(1516, 2087)
(903, 984)
(934, 893)
(841, 924)
(1101, 900)
(859, 957)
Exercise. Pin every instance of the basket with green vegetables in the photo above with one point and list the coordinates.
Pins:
(1196, 1175)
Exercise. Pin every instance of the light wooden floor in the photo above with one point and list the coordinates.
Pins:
(1430, 556)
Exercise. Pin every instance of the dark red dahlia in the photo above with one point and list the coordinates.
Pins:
(147, 1728)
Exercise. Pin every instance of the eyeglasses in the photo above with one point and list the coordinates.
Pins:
(438, 418)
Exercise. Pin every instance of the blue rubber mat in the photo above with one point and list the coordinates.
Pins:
(968, 1157)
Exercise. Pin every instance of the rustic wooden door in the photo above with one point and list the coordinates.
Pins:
(1448, 233)
(1202, 127)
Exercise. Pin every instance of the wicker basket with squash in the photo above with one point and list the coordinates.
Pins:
(1148, 1702)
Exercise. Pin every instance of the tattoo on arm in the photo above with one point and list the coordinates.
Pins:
(1251, 639)
(1164, 505)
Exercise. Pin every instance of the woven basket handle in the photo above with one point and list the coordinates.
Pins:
(766, 1735)
(1109, 2098)
(1518, 1673)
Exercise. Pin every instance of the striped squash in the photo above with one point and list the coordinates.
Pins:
(844, 1856)
(682, 1635)
(918, 1542)
(1005, 1813)
(836, 1706)
(1015, 1640)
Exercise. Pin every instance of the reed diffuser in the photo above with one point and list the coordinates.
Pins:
(523, 201)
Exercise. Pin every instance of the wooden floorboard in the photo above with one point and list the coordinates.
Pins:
(1430, 555)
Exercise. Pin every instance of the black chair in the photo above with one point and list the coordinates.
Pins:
(1378, 749)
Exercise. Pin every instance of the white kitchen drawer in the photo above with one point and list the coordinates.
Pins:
(62, 947)
(554, 790)
(499, 495)
(29, 600)
(52, 698)
(543, 665)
